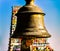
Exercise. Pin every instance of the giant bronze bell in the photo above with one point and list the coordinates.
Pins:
(30, 22)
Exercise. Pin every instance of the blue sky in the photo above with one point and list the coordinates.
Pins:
(52, 20)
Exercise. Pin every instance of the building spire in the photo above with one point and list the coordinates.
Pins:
(29, 2)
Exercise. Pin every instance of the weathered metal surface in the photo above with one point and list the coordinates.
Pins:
(30, 22)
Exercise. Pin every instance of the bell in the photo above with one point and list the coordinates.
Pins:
(30, 22)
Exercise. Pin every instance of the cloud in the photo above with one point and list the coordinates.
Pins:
(5, 42)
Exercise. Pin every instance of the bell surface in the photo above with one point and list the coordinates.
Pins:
(30, 22)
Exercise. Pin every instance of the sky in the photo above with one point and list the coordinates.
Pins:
(52, 20)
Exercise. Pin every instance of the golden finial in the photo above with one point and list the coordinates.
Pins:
(29, 2)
